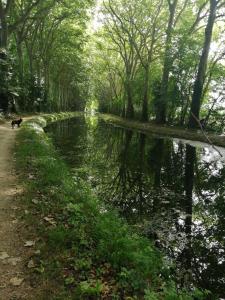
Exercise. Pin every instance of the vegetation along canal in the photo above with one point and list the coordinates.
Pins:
(171, 191)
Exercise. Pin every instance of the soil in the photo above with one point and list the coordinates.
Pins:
(14, 257)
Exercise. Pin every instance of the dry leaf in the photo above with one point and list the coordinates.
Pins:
(31, 264)
(3, 255)
(35, 201)
(29, 243)
(50, 220)
(15, 281)
(14, 260)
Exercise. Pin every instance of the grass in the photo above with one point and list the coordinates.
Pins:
(87, 250)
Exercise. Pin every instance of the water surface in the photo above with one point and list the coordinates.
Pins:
(170, 191)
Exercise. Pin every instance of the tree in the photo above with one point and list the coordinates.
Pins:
(200, 78)
(122, 31)
(147, 23)
(161, 106)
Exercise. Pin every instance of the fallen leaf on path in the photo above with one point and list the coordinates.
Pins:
(35, 201)
(50, 220)
(29, 243)
(37, 252)
(14, 260)
(31, 264)
(2, 285)
(3, 255)
(15, 281)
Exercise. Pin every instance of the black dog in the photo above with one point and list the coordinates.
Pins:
(16, 122)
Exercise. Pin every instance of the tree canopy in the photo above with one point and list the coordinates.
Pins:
(156, 59)
(149, 60)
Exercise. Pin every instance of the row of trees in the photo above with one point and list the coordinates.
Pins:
(153, 59)
(150, 59)
(41, 54)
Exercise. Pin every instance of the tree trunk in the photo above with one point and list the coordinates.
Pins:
(144, 116)
(162, 102)
(3, 30)
(199, 82)
(4, 97)
(20, 59)
(130, 108)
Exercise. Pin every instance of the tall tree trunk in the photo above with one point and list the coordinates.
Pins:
(4, 98)
(22, 99)
(144, 116)
(46, 82)
(123, 114)
(3, 28)
(20, 59)
(4, 95)
(130, 108)
(162, 102)
(199, 82)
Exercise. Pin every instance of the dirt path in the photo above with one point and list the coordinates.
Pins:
(14, 284)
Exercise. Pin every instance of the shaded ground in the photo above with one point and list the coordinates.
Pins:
(14, 257)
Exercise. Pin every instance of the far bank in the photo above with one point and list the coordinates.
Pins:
(170, 131)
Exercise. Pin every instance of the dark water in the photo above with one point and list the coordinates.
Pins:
(168, 190)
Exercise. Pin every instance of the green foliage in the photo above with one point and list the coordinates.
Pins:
(171, 293)
(8, 88)
(45, 43)
(123, 47)
(89, 289)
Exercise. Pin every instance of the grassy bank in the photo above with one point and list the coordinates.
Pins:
(46, 118)
(174, 132)
(86, 250)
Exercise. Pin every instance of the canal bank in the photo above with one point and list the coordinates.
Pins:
(166, 131)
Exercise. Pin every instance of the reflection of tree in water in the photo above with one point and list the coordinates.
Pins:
(200, 251)
(209, 226)
(170, 190)
(185, 254)
(134, 172)
(122, 180)
(154, 181)
(67, 137)
(128, 190)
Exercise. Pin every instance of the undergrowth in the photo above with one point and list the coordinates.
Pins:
(87, 250)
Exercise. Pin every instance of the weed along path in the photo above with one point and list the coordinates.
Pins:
(13, 255)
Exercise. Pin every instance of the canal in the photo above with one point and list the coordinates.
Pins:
(168, 190)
